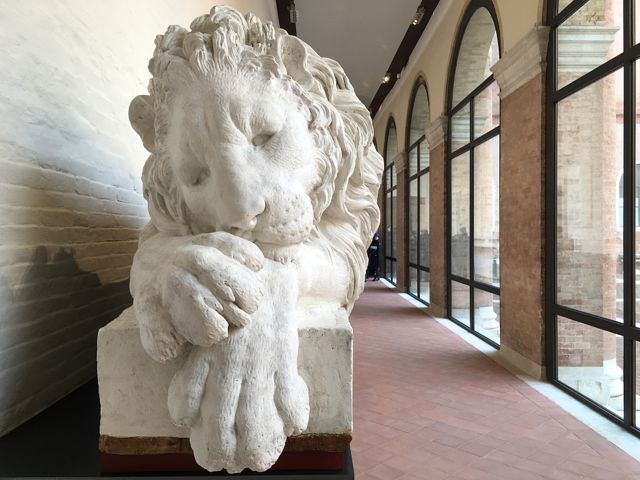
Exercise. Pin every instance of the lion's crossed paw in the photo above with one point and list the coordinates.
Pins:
(243, 397)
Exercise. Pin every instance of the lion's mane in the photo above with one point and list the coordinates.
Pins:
(345, 208)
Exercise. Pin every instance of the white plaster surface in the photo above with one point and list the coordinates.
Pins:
(261, 187)
(133, 387)
(523, 61)
(436, 131)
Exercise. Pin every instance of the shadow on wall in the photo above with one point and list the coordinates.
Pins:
(48, 330)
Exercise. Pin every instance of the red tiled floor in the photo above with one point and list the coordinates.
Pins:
(427, 405)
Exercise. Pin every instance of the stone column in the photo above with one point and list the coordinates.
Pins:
(521, 77)
(436, 133)
(400, 164)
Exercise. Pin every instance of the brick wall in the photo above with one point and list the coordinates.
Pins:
(438, 234)
(70, 192)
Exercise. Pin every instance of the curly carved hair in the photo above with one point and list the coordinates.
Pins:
(345, 208)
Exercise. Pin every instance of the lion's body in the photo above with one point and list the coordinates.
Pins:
(262, 186)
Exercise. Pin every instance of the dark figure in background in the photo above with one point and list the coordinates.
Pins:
(374, 258)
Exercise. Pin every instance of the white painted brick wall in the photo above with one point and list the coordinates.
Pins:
(70, 191)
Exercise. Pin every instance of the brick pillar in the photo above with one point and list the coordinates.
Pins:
(381, 230)
(400, 163)
(436, 133)
(520, 75)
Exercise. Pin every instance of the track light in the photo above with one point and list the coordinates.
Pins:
(386, 78)
(419, 15)
(293, 13)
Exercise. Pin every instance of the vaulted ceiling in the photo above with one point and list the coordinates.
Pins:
(363, 35)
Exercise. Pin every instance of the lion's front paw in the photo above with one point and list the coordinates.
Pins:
(244, 416)
(213, 281)
(159, 339)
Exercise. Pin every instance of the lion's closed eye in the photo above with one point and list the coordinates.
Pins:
(195, 176)
(262, 138)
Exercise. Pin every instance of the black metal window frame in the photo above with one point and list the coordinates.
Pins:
(389, 170)
(630, 334)
(417, 145)
(469, 148)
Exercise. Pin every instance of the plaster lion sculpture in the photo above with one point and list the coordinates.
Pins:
(261, 187)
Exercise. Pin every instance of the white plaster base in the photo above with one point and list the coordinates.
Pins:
(133, 387)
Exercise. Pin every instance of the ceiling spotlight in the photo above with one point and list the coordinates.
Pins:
(293, 13)
(419, 15)
(386, 78)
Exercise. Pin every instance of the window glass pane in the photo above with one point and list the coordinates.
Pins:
(394, 176)
(637, 389)
(637, 30)
(394, 278)
(460, 215)
(387, 229)
(487, 314)
(413, 281)
(478, 52)
(637, 196)
(424, 220)
(388, 182)
(460, 128)
(486, 110)
(424, 155)
(562, 4)
(588, 38)
(486, 212)
(424, 286)
(392, 144)
(590, 361)
(413, 221)
(387, 269)
(460, 302)
(419, 115)
(394, 210)
(412, 161)
(588, 243)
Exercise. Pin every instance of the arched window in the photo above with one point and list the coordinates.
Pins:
(390, 202)
(593, 314)
(418, 193)
(474, 173)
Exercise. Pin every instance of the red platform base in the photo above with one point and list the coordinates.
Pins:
(185, 463)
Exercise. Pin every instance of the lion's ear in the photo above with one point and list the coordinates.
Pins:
(142, 118)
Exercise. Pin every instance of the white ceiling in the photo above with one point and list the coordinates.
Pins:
(363, 35)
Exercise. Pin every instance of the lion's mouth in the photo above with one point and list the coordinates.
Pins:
(272, 238)
(278, 252)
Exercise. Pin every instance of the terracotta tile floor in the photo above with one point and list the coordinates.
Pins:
(427, 405)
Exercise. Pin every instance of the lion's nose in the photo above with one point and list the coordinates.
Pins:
(244, 225)
(245, 216)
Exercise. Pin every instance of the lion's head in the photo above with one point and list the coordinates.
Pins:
(251, 132)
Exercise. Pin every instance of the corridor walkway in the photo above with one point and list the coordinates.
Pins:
(427, 405)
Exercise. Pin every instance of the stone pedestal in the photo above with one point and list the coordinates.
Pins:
(133, 390)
